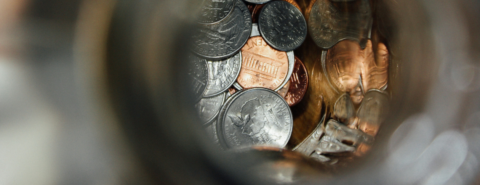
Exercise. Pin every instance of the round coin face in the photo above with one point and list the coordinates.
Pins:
(215, 10)
(197, 75)
(257, 1)
(282, 25)
(298, 83)
(222, 74)
(330, 22)
(262, 66)
(225, 38)
(255, 117)
(208, 108)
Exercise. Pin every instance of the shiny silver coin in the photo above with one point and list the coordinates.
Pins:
(225, 38)
(291, 61)
(282, 25)
(215, 10)
(222, 74)
(258, 1)
(197, 76)
(208, 108)
(330, 22)
(255, 117)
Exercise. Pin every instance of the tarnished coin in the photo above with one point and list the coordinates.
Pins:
(258, 1)
(255, 117)
(225, 38)
(282, 25)
(208, 108)
(256, 12)
(330, 22)
(262, 66)
(299, 83)
(373, 111)
(198, 76)
(222, 74)
(215, 10)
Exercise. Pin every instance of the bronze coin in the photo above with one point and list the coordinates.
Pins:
(262, 66)
(294, 3)
(255, 12)
(298, 83)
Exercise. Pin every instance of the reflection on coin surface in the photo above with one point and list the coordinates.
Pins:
(215, 10)
(262, 66)
(225, 38)
(282, 25)
(329, 22)
(257, 1)
(298, 83)
(355, 71)
(208, 108)
(255, 117)
(198, 76)
(222, 74)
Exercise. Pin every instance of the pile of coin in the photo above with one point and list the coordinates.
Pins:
(245, 75)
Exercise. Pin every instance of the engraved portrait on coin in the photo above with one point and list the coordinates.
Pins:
(330, 22)
(197, 75)
(256, 117)
(282, 25)
(215, 10)
(225, 38)
(222, 74)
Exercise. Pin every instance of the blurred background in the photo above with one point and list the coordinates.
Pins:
(89, 95)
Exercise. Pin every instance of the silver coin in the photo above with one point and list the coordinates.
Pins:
(198, 76)
(211, 131)
(282, 25)
(258, 1)
(222, 74)
(255, 117)
(330, 22)
(215, 10)
(291, 62)
(225, 38)
(208, 108)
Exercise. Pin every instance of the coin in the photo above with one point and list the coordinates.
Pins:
(257, 1)
(282, 25)
(211, 131)
(208, 108)
(298, 83)
(350, 69)
(255, 117)
(222, 74)
(373, 111)
(215, 10)
(330, 22)
(262, 66)
(294, 3)
(198, 76)
(284, 90)
(255, 12)
(225, 38)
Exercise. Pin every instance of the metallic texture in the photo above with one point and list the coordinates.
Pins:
(282, 25)
(344, 110)
(255, 117)
(197, 75)
(258, 1)
(284, 90)
(208, 108)
(298, 83)
(215, 10)
(225, 38)
(330, 22)
(373, 111)
(222, 74)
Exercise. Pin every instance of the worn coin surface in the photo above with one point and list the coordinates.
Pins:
(215, 10)
(225, 38)
(222, 74)
(258, 1)
(282, 25)
(298, 83)
(262, 66)
(330, 22)
(255, 117)
(197, 75)
(208, 108)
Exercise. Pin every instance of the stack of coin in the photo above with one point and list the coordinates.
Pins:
(245, 75)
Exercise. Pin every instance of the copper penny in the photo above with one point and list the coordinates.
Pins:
(262, 66)
(232, 90)
(298, 83)
(354, 70)
(255, 12)
(294, 3)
